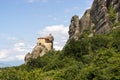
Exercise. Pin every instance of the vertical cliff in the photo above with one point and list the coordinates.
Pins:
(103, 16)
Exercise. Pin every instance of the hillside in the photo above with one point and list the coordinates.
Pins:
(87, 59)
(92, 51)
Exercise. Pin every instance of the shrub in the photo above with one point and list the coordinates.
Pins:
(112, 14)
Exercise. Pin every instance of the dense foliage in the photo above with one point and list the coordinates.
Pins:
(112, 14)
(96, 58)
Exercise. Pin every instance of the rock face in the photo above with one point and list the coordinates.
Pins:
(44, 45)
(98, 20)
(74, 27)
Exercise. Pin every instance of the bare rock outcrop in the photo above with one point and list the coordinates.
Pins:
(98, 20)
(44, 45)
(74, 27)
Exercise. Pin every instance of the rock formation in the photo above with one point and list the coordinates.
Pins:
(74, 27)
(44, 45)
(100, 19)
(103, 17)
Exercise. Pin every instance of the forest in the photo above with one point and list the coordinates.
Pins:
(95, 58)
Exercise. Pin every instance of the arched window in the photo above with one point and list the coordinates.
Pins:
(39, 44)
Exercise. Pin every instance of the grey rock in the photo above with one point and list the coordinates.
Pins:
(96, 19)
(74, 27)
(85, 21)
(38, 51)
(28, 57)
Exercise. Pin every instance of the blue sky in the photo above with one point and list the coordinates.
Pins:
(23, 21)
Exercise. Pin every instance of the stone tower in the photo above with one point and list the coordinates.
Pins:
(46, 41)
(44, 44)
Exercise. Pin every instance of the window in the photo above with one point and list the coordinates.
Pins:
(39, 43)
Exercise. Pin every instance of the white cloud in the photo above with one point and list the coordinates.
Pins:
(57, 30)
(60, 33)
(55, 42)
(18, 48)
(15, 53)
(20, 57)
(3, 54)
(19, 44)
(32, 1)
(58, 47)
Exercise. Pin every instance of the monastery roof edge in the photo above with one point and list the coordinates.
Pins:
(42, 38)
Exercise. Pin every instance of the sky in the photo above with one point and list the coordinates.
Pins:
(23, 21)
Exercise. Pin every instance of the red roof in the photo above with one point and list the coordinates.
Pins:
(43, 38)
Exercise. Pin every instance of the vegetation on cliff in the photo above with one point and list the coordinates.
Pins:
(95, 58)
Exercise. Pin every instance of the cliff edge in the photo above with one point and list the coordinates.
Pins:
(103, 17)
